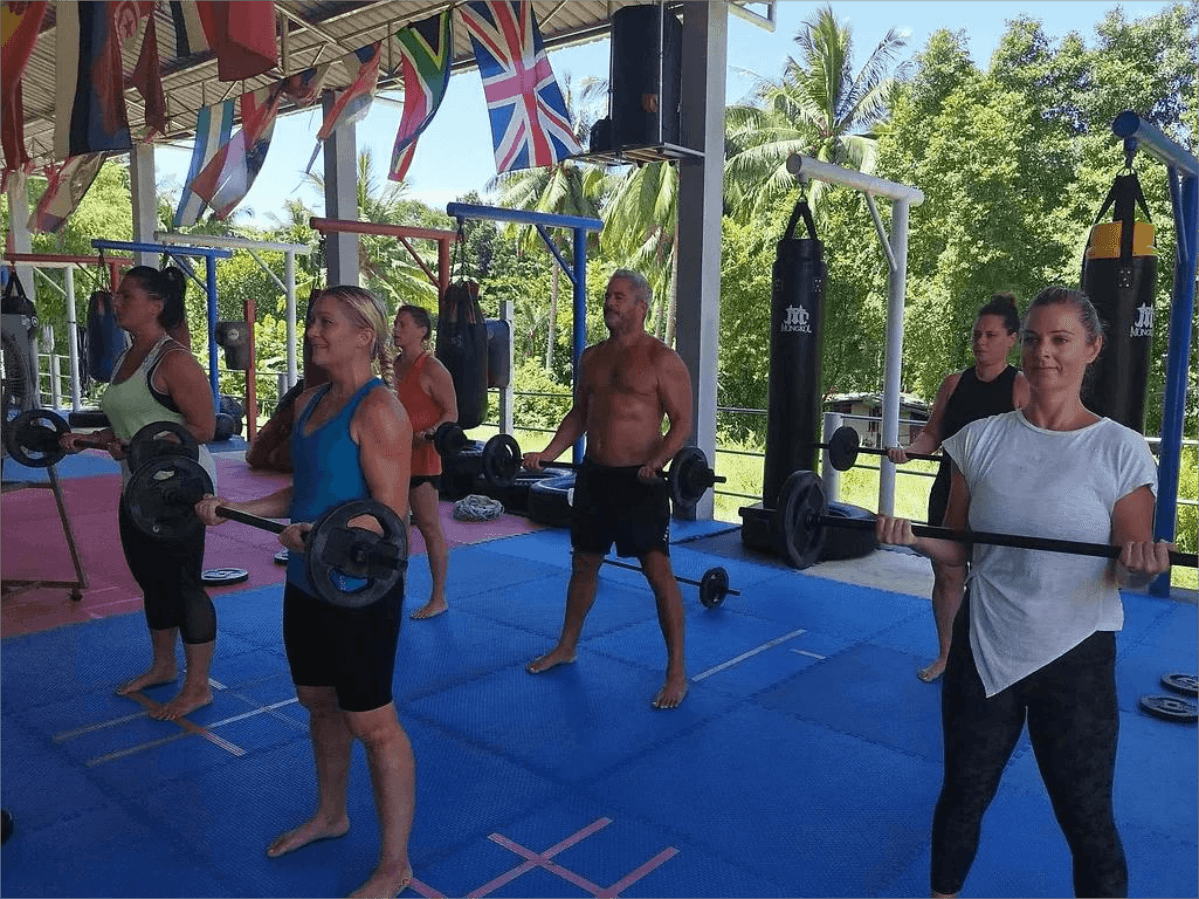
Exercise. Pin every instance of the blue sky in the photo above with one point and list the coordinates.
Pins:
(454, 154)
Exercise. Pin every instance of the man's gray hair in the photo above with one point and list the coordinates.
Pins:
(640, 285)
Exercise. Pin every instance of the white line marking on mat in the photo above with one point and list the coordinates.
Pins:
(99, 725)
(745, 655)
(259, 711)
(804, 652)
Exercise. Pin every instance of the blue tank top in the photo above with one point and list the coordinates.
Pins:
(328, 470)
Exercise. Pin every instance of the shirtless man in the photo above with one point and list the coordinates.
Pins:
(626, 385)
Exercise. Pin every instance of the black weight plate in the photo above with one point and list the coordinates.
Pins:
(159, 439)
(843, 448)
(501, 460)
(796, 519)
(223, 577)
(32, 437)
(713, 587)
(689, 477)
(162, 495)
(449, 439)
(1171, 708)
(1181, 683)
(352, 567)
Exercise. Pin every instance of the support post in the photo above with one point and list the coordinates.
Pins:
(144, 194)
(507, 395)
(68, 275)
(341, 199)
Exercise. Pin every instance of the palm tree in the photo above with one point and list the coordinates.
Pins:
(566, 188)
(818, 108)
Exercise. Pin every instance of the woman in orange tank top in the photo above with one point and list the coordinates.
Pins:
(426, 389)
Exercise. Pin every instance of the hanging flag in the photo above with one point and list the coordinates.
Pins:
(530, 126)
(243, 36)
(361, 69)
(19, 25)
(214, 128)
(147, 78)
(190, 38)
(91, 114)
(68, 183)
(425, 51)
(230, 174)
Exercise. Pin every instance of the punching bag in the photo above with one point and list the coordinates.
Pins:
(105, 339)
(462, 348)
(1119, 273)
(796, 331)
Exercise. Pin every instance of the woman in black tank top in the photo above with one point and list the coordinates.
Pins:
(987, 388)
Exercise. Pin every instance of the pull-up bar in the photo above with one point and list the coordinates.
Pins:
(210, 256)
(402, 233)
(576, 271)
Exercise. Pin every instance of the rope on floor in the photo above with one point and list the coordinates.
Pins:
(478, 508)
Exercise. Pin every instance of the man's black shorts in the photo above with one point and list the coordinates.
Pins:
(612, 504)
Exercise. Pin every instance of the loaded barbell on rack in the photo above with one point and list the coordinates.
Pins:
(32, 439)
(161, 498)
(802, 515)
(713, 586)
(843, 448)
(688, 477)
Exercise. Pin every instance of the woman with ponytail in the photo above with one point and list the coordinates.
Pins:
(157, 379)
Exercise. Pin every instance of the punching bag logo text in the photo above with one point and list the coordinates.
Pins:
(797, 320)
(1143, 326)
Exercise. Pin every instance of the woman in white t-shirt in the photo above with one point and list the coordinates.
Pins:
(1035, 637)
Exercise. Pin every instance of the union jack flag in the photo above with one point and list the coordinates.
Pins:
(530, 126)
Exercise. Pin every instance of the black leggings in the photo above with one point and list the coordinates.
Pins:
(169, 573)
(1073, 721)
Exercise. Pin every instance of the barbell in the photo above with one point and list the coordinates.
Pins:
(348, 566)
(688, 477)
(32, 438)
(843, 448)
(802, 515)
(713, 586)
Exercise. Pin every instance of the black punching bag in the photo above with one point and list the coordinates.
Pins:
(796, 325)
(1119, 273)
(462, 349)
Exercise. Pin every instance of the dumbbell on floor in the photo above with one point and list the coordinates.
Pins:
(713, 586)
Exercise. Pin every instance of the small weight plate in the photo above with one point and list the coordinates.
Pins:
(1187, 684)
(281, 556)
(353, 567)
(161, 438)
(688, 477)
(501, 460)
(713, 587)
(1171, 708)
(843, 448)
(161, 496)
(223, 577)
(796, 519)
(32, 438)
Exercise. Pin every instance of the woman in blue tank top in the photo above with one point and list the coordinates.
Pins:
(987, 388)
(352, 440)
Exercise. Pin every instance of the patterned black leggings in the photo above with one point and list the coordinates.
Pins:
(1073, 720)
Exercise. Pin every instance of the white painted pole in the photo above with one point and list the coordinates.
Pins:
(73, 339)
(289, 281)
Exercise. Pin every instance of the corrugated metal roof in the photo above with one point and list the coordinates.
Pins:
(310, 32)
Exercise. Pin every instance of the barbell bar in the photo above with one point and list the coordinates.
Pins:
(845, 444)
(802, 515)
(713, 586)
(347, 566)
(688, 477)
(32, 438)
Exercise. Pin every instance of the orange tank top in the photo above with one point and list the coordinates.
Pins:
(423, 412)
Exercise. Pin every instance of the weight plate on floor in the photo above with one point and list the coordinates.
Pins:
(713, 587)
(1181, 683)
(223, 577)
(1171, 708)
(281, 556)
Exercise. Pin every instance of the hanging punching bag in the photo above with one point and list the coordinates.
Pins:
(796, 332)
(105, 338)
(462, 349)
(1119, 273)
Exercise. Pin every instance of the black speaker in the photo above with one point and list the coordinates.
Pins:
(645, 77)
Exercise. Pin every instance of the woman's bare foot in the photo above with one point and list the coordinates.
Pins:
(310, 831)
(553, 658)
(157, 674)
(185, 703)
(932, 671)
(672, 693)
(431, 609)
(386, 881)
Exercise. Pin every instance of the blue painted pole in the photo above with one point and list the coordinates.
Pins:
(580, 313)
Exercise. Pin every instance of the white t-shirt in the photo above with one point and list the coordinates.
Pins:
(1029, 607)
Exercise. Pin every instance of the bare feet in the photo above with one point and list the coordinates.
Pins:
(309, 832)
(553, 658)
(672, 693)
(386, 881)
(157, 674)
(431, 609)
(185, 703)
(932, 671)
